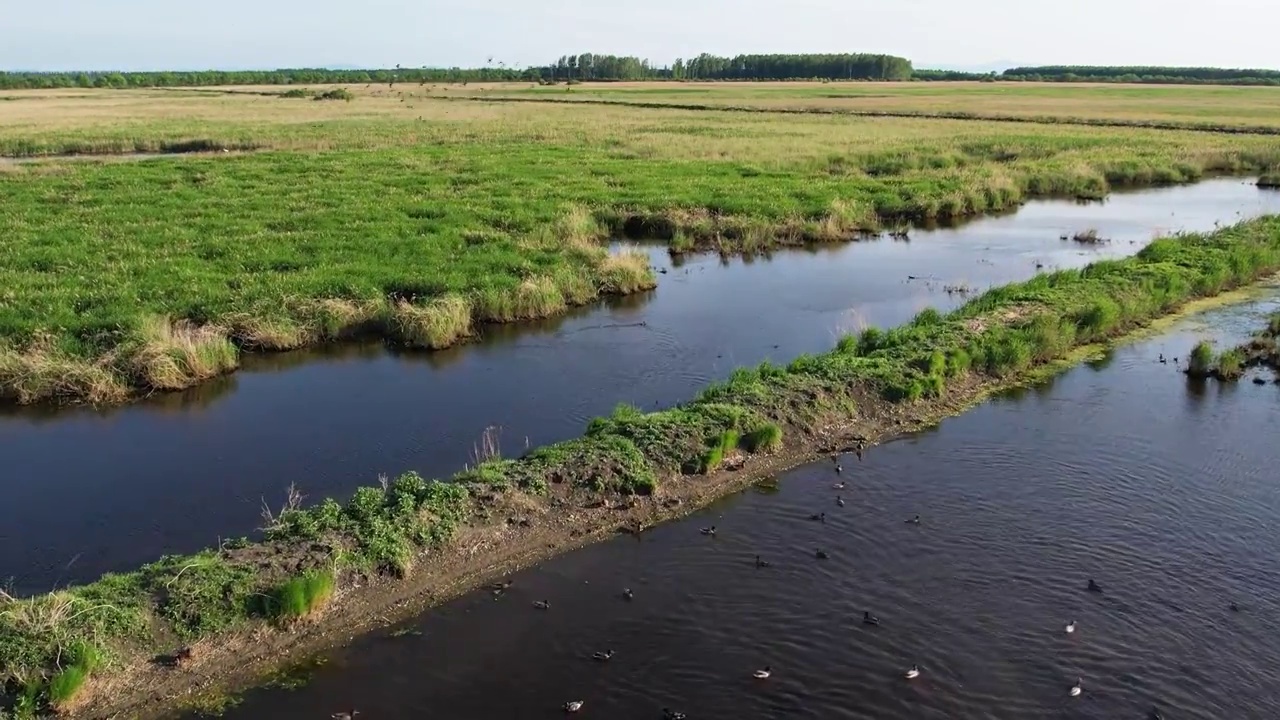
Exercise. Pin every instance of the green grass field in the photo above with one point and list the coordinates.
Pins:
(416, 217)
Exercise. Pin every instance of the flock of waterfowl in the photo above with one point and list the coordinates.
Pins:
(912, 673)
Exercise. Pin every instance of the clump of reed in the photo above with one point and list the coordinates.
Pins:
(168, 355)
(436, 324)
(625, 272)
(1089, 237)
(43, 371)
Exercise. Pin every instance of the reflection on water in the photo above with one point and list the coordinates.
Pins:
(89, 491)
(1103, 473)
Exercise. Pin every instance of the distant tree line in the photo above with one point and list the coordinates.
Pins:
(297, 76)
(1144, 74)
(597, 67)
(586, 66)
(839, 66)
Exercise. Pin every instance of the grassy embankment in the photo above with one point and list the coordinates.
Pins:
(1261, 350)
(421, 218)
(50, 644)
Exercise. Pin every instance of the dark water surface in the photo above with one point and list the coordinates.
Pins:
(88, 491)
(1164, 491)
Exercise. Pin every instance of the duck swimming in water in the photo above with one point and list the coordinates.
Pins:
(1076, 689)
(839, 469)
(839, 501)
(1234, 607)
(602, 656)
(838, 486)
(627, 594)
(913, 673)
(821, 554)
(914, 521)
(761, 563)
(1094, 587)
(819, 517)
(869, 619)
(542, 604)
(348, 715)
(573, 706)
(1155, 714)
(669, 714)
(709, 531)
(762, 674)
(1071, 627)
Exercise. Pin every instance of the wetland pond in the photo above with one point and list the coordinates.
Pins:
(1121, 470)
(89, 491)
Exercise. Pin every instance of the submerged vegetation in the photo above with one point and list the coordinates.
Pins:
(308, 554)
(420, 224)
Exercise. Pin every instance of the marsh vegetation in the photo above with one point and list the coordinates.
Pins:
(422, 219)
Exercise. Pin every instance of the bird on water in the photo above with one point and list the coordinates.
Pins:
(1071, 627)
(348, 715)
(573, 706)
(869, 619)
(762, 674)
(913, 673)
(1077, 688)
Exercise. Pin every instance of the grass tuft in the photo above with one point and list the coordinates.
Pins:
(304, 595)
(766, 438)
(436, 324)
(172, 356)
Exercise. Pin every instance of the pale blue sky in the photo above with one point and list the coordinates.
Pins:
(178, 34)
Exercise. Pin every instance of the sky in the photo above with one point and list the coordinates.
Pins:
(961, 34)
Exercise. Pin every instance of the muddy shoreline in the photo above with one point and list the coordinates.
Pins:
(479, 555)
(483, 553)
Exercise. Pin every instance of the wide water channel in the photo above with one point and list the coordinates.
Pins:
(1161, 489)
(90, 491)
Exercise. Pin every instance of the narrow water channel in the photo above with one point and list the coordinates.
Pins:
(1123, 471)
(90, 491)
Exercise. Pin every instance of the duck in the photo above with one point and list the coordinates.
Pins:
(573, 706)
(669, 714)
(348, 715)
(709, 531)
(869, 619)
(1071, 627)
(500, 586)
(913, 673)
(914, 521)
(1162, 360)
(839, 501)
(604, 656)
(1234, 607)
(1077, 688)
(821, 554)
(838, 486)
(839, 469)
(627, 594)
(761, 563)
(1155, 714)
(762, 674)
(1094, 587)
(820, 517)
(542, 604)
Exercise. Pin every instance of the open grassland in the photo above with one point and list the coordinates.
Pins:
(1191, 106)
(868, 386)
(418, 218)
